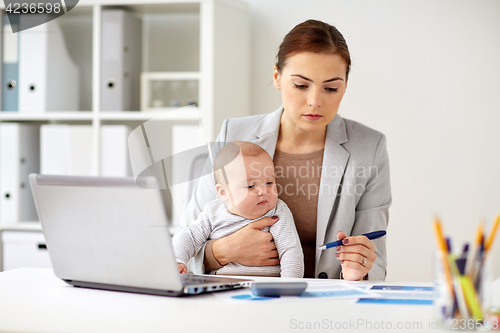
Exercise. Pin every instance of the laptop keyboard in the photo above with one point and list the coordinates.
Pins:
(188, 279)
(195, 284)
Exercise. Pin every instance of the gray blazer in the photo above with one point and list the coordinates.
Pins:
(355, 191)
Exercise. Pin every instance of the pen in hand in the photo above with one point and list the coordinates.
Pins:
(369, 235)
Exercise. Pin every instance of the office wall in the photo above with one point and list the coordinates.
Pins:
(427, 74)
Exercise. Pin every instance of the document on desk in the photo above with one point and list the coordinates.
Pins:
(393, 294)
(320, 289)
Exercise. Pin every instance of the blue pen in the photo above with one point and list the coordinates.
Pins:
(465, 251)
(448, 244)
(369, 235)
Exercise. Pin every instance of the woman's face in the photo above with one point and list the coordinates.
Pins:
(312, 86)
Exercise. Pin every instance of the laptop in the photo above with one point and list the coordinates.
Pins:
(108, 233)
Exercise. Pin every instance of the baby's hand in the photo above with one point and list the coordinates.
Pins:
(182, 268)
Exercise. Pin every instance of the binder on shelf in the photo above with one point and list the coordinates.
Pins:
(10, 65)
(19, 156)
(114, 151)
(54, 149)
(48, 77)
(184, 139)
(120, 60)
(67, 150)
(80, 158)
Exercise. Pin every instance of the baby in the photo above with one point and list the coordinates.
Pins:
(245, 184)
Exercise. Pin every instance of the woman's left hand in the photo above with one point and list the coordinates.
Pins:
(356, 256)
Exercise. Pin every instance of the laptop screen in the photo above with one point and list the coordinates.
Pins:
(106, 230)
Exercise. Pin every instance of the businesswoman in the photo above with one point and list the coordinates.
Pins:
(332, 172)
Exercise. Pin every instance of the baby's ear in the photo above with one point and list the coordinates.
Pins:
(221, 192)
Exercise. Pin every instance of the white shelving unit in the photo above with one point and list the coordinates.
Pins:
(207, 39)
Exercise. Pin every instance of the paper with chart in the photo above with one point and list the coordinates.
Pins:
(316, 289)
(395, 294)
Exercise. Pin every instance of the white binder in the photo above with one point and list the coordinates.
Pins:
(120, 60)
(54, 149)
(10, 66)
(80, 157)
(184, 139)
(67, 150)
(19, 156)
(48, 77)
(114, 152)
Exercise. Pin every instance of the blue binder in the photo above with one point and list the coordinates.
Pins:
(10, 66)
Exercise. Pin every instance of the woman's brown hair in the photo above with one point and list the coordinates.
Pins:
(313, 36)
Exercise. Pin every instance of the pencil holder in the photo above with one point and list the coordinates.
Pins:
(463, 292)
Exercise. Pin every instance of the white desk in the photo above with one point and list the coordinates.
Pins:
(34, 300)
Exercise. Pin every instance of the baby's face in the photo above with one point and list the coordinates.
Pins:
(252, 191)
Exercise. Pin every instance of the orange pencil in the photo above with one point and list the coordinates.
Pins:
(479, 233)
(438, 232)
(491, 236)
(473, 263)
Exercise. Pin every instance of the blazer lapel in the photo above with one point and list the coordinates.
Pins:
(267, 131)
(335, 159)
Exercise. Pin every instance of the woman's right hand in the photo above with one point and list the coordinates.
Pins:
(248, 246)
